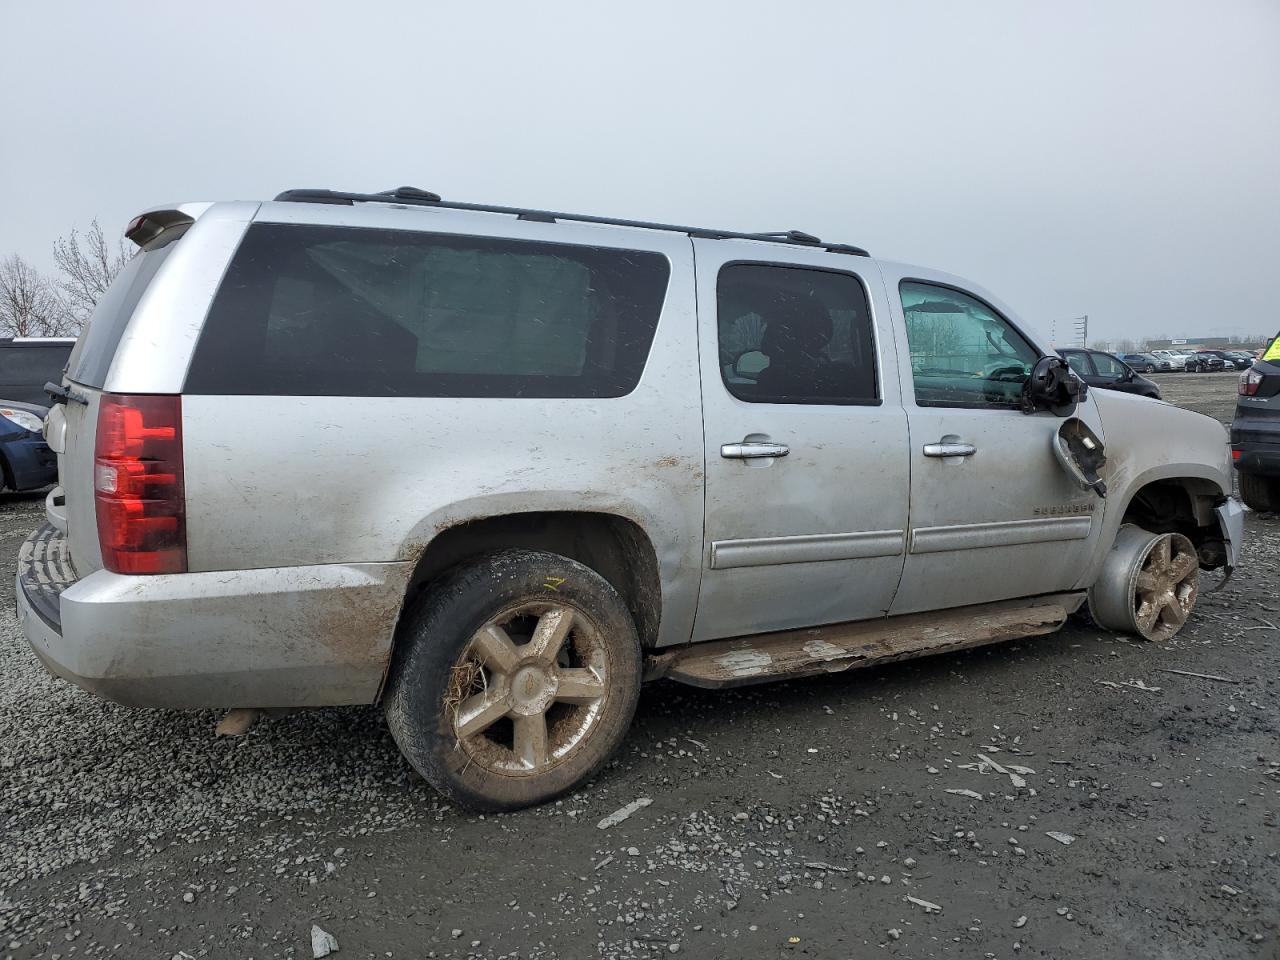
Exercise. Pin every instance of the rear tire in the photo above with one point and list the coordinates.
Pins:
(516, 678)
(1260, 493)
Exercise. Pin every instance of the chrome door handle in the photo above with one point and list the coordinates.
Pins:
(753, 451)
(949, 449)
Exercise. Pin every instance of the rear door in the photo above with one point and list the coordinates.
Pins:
(993, 515)
(806, 457)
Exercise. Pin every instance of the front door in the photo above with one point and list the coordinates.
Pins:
(806, 456)
(993, 514)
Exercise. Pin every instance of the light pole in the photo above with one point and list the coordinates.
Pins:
(1079, 329)
(1082, 329)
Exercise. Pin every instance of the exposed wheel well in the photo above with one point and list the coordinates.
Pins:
(1181, 505)
(616, 548)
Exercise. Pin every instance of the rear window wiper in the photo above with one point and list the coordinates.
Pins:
(61, 394)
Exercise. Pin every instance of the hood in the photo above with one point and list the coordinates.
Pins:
(1150, 437)
(35, 408)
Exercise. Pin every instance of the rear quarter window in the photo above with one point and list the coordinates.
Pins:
(337, 311)
(94, 350)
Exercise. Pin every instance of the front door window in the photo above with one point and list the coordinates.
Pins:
(963, 353)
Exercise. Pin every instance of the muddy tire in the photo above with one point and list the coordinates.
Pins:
(1260, 493)
(1148, 584)
(516, 677)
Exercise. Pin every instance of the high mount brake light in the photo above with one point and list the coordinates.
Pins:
(138, 484)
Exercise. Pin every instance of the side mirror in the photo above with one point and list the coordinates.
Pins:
(1052, 386)
(1079, 450)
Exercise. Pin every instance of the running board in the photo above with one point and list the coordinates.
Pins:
(740, 661)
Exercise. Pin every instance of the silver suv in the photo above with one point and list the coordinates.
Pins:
(493, 468)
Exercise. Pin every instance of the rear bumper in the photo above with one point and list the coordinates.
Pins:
(275, 637)
(1255, 438)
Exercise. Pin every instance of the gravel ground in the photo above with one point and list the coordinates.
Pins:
(794, 820)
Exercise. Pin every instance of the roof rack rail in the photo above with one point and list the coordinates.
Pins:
(416, 196)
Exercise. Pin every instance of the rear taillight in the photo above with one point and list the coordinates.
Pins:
(138, 486)
(1249, 381)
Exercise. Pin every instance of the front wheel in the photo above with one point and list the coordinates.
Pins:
(516, 678)
(1260, 493)
(1148, 584)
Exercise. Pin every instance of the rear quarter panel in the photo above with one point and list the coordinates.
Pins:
(281, 480)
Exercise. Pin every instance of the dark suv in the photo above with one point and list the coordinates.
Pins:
(1230, 361)
(1255, 433)
(1206, 361)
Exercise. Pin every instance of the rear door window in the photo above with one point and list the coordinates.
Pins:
(1079, 362)
(1108, 366)
(795, 335)
(338, 311)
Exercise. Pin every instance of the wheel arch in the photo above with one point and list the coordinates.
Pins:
(615, 546)
(1174, 501)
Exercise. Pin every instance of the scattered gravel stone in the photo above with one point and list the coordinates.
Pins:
(323, 942)
(622, 813)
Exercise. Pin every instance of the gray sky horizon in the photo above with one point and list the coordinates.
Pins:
(1115, 159)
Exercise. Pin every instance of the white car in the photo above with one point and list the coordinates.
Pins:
(1180, 361)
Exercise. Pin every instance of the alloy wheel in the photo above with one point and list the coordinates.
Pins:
(1166, 587)
(528, 689)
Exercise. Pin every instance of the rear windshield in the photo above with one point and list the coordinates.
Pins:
(25, 368)
(339, 311)
(91, 358)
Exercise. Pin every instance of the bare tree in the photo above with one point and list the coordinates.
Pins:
(29, 302)
(87, 263)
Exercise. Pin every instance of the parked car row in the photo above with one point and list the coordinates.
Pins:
(1194, 361)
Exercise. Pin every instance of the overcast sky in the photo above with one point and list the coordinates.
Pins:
(1120, 159)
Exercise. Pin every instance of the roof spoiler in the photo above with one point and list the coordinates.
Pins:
(146, 226)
